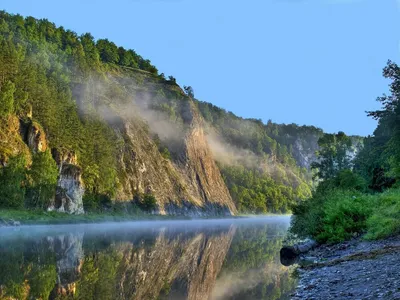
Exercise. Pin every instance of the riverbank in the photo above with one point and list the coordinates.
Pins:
(10, 217)
(40, 217)
(356, 269)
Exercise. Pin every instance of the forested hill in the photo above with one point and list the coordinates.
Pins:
(86, 124)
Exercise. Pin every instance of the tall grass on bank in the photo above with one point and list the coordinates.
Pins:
(338, 215)
(385, 219)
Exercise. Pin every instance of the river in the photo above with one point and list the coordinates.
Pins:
(199, 259)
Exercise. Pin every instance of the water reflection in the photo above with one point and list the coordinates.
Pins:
(220, 259)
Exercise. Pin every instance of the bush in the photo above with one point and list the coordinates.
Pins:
(349, 180)
(96, 202)
(333, 216)
(385, 220)
(165, 153)
(12, 178)
(7, 99)
(146, 202)
(344, 214)
(42, 180)
(336, 215)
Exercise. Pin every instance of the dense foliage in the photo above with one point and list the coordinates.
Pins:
(268, 171)
(359, 195)
(49, 72)
(255, 191)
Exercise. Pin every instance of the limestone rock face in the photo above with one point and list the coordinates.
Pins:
(36, 138)
(12, 142)
(202, 173)
(188, 184)
(305, 153)
(70, 189)
(145, 170)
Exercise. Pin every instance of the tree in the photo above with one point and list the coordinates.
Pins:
(43, 179)
(7, 99)
(12, 179)
(333, 155)
(127, 58)
(89, 46)
(189, 91)
(172, 79)
(389, 117)
(108, 51)
(146, 202)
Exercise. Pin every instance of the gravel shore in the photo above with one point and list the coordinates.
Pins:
(356, 269)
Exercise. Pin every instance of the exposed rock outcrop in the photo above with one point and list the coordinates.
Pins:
(11, 141)
(189, 184)
(199, 166)
(304, 150)
(70, 189)
(36, 137)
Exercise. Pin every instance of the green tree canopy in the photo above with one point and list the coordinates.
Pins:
(333, 155)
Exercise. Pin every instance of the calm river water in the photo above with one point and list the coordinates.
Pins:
(204, 259)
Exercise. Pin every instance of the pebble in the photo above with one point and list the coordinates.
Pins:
(376, 278)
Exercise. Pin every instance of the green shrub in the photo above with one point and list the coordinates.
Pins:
(42, 180)
(385, 220)
(7, 99)
(12, 178)
(126, 207)
(336, 215)
(332, 216)
(165, 153)
(349, 180)
(96, 202)
(344, 214)
(307, 215)
(146, 202)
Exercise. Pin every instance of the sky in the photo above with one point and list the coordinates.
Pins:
(309, 62)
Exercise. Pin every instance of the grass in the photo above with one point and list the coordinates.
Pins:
(385, 219)
(40, 217)
(339, 215)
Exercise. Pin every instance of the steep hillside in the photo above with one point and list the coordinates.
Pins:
(86, 124)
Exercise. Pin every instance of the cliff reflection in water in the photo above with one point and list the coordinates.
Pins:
(225, 259)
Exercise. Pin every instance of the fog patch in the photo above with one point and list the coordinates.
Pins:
(116, 102)
(232, 284)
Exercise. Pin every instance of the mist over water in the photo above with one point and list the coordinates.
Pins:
(199, 259)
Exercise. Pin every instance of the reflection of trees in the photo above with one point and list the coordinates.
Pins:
(27, 270)
(252, 269)
(176, 266)
(147, 264)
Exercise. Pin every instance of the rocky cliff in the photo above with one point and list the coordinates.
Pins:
(189, 183)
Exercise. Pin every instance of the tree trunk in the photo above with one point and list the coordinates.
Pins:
(289, 254)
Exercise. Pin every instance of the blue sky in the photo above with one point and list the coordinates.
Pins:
(313, 62)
